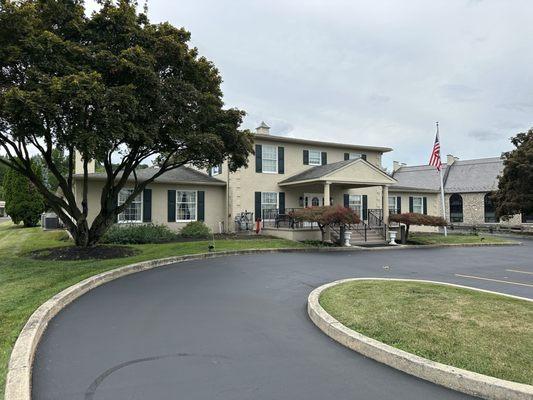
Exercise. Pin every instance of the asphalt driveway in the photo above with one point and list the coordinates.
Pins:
(237, 328)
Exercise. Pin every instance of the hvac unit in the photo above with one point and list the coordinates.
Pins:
(50, 220)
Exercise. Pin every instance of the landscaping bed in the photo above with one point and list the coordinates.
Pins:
(26, 283)
(480, 332)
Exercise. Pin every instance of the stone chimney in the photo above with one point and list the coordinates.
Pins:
(396, 166)
(450, 159)
(263, 129)
(78, 164)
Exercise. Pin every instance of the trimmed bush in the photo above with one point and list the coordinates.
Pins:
(196, 230)
(327, 216)
(23, 202)
(139, 234)
(416, 219)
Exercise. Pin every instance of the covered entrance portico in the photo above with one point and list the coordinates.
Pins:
(351, 183)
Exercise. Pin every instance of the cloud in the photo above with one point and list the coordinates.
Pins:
(484, 135)
(459, 92)
(518, 106)
(378, 73)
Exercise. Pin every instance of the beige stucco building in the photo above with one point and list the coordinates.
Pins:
(284, 173)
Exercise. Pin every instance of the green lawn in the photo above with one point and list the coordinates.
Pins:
(480, 332)
(26, 283)
(455, 238)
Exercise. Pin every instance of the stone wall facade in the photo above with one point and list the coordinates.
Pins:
(474, 210)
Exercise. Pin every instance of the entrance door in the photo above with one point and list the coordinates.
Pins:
(313, 199)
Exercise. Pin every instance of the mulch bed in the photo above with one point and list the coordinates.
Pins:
(73, 253)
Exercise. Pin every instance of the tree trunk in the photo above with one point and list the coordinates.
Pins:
(99, 228)
(81, 235)
(406, 234)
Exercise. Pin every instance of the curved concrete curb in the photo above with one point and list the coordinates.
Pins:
(18, 382)
(454, 378)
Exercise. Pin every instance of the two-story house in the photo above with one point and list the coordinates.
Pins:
(284, 173)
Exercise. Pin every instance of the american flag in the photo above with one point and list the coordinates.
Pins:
(434, 160)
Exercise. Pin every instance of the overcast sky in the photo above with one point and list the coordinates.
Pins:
(372, 72)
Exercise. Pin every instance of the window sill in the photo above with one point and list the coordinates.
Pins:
(186, 220)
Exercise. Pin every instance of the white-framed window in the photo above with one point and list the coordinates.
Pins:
(356, 204)
(133, 211)
(353, 156)
(216, 170)
(393, 204)
(418, 204)
(269, 201)
(315, 157)
(186, 205)
(270, 159)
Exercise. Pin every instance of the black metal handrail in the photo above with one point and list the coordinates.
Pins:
(375, 218)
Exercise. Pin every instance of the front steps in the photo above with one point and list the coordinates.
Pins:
(372, 237)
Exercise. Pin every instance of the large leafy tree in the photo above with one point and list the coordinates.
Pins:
(116, 88)
(515, 187)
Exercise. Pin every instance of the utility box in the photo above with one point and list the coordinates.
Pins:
(50, 221)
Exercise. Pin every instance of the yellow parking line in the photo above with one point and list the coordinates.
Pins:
(493, 280)
(519, 271)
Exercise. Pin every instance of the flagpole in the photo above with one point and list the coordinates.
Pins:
(442, 189)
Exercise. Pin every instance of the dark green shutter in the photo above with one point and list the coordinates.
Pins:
(258, 205)
(346, 200)
(399, 204)
(171, 206)
(281, 201)
(425, 200)
(363, 156)
(201, 205)
(281, 160)
(324, 157)
(306, 157)
(410, 204)
(147, 205)
(346, 156)
(258, 158)
(365, 206)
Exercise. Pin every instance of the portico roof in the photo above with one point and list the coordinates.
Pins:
(352, 173)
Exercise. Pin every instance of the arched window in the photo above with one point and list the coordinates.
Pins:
(456, 208)
(490, 211)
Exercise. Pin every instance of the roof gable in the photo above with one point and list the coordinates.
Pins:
(356, 171)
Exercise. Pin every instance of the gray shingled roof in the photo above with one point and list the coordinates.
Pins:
(318, 172)
(474, 175)
(422, 177)
(178, 175)
(464, 176)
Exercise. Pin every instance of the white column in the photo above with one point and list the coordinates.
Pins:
(327, 194)
(385, 203)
